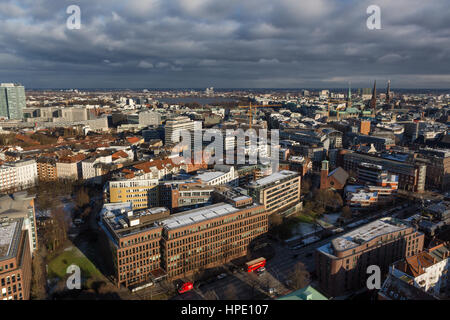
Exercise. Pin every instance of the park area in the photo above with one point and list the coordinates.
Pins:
(72, 255)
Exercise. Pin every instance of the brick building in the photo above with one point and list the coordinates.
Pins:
(341, 265)
(149, 244)
(15, 260)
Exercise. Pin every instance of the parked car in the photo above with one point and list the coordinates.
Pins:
(221, 276)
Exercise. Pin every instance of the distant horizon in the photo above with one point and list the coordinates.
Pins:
(379, 89)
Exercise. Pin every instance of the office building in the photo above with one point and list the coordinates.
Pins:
(149, 244)
(21, 205)
(278, 191)
(15, 260)
(12, 101)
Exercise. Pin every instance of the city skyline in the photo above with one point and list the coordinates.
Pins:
(179, 44)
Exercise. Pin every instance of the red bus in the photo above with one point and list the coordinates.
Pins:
(255, 264)
(185, 287)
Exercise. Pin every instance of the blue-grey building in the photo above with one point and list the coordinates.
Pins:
(12, 101)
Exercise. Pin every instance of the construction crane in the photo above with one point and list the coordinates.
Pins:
(250, 111)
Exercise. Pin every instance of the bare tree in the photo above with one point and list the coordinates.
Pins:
(299, 277)
(38, 281)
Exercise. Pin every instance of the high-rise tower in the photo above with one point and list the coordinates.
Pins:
(12, 101)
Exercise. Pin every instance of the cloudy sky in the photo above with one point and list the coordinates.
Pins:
(225, 44)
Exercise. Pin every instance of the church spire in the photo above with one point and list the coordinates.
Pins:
(373, 101)
(388, 92)
(349, 96)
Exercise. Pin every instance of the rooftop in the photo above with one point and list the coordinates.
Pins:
(368, 232)
(274, 178)
(9, 237)
(209, 175)
(199, 215)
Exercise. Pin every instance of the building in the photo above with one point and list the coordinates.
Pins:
(149, 244)
(411, 177)
(15, 260)
(222, 174)
(183, 195)
(18, 175)
(426, 270)
(304, 294)
(21, 205)
(70, 167)
(142, 193)
(277, 191)
(46, 168)
(341, 265)
(149, 118)
(92, 169)
(12, 101)
(438, 167)
(181, 123)
(336, 179)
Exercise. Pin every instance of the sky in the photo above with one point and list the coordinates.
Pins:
(225, 44)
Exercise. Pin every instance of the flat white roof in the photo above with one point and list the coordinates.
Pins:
(210, 175)
(274, 177)
(7, 231)
(197, 215)
(366, 233)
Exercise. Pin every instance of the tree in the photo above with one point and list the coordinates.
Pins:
(82, 197)
(306, 186)
(328, 198)
(38, 281)
(299, 277)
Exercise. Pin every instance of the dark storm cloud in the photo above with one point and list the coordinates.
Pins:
(199, 43)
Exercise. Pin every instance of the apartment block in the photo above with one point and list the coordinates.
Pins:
(18, 175)
(341, 265)
(426, 270)
(46, 168)
(277, 191)
(69, 167)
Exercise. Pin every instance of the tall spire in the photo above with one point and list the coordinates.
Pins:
(373, 101)
(349, 96)
(388, 92)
